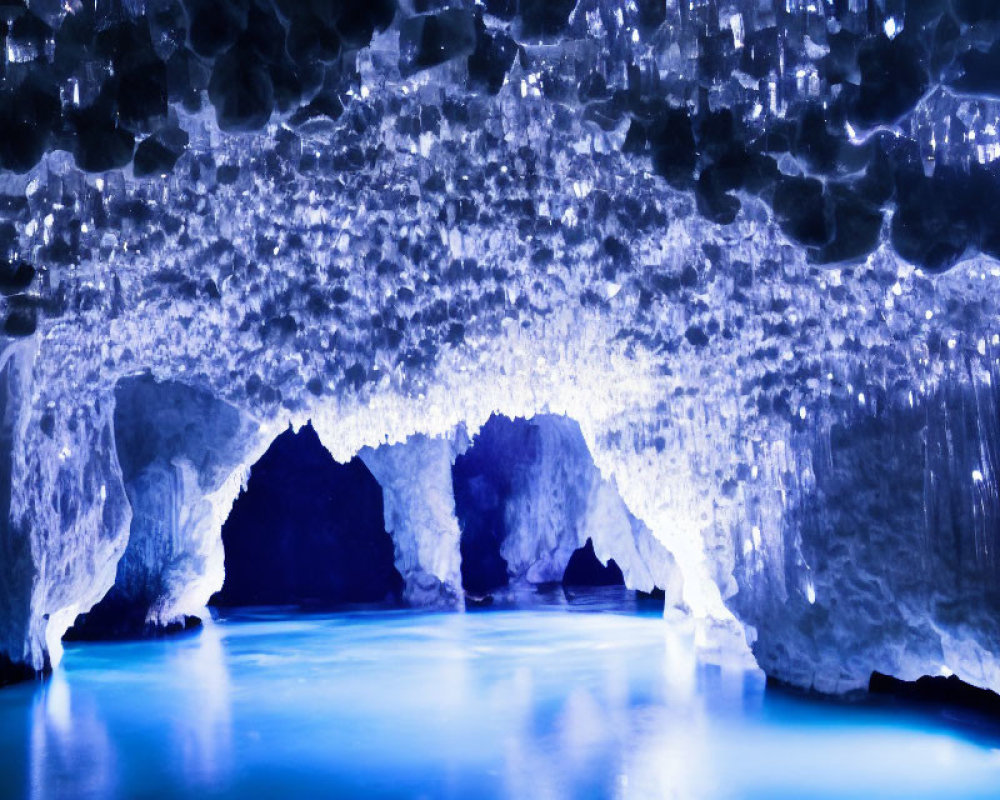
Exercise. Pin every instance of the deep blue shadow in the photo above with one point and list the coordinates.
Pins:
(585, 569)
(308, 530)
(483, 478)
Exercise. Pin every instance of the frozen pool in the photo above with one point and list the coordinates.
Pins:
(575, 702)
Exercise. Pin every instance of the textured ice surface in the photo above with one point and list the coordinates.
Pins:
(415, 476)
(745, 246)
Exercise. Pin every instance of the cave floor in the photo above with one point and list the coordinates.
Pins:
(555, 701)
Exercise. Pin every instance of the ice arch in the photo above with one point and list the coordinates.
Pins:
(528, 496)
(307, 530)
(179, 449)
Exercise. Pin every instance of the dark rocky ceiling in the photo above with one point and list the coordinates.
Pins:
(844, 117)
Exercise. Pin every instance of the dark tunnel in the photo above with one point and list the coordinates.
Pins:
(585, 569)
(483, 479)
(307, 530)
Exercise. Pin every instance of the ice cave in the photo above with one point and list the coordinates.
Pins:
(499, 399)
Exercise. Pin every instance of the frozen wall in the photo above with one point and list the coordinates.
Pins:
(18, 568)
(67, 515)
(886, 557)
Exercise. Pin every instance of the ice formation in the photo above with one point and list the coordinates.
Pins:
(415, 477)
(179, 449)
(531, 489)
(747, 247)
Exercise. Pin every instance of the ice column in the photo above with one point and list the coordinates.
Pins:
(184, 454)
(419, 502)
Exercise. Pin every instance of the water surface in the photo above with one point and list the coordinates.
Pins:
(540, 703)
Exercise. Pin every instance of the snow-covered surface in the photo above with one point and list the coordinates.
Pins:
(813, 447)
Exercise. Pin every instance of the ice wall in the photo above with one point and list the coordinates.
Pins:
(734, 242)
(66, 513)
(17, 565)
(885, 557)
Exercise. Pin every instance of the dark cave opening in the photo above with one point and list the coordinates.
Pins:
(585, 569)
(308, 530)
(483, 479)
(948, 693)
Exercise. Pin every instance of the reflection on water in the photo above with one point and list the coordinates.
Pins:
(543, 703)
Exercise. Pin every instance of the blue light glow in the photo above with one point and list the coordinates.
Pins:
(548, 702)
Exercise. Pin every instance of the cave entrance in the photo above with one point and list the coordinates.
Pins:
(585, 569)
(307, 530)
(484, 479)
(534, 511)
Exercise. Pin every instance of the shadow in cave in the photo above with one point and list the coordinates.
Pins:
(585, 569)
(948, 704)
(309, 531)
(483, 479)
(965, 706)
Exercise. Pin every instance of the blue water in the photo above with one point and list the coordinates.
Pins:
(542, 703)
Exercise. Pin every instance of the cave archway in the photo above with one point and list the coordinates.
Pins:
(177, 446)
(307, 530)
(534, 510)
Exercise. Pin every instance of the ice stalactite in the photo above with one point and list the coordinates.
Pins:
(66, 515)
(529, 496)
(182, 454)
(419, 502)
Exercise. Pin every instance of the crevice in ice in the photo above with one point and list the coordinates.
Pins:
(307, 530)
(482, 481)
